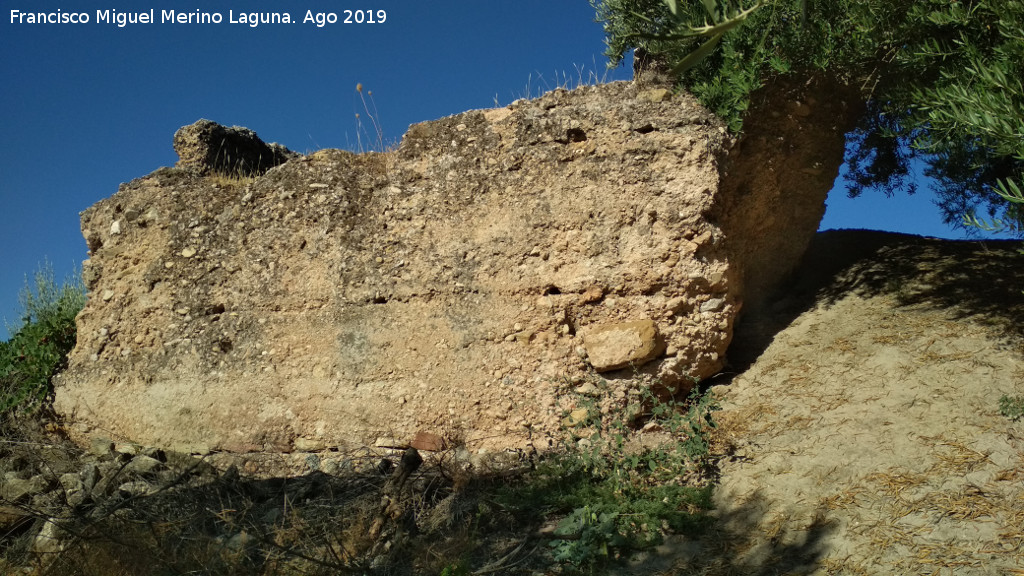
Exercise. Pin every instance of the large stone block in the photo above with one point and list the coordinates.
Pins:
(206, 147)
(441, 288)
(614, 346)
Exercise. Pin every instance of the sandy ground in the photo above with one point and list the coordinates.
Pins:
(861, 431)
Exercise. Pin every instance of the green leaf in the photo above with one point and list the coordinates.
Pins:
(712, 7)
(695, 56)
(1009, 190)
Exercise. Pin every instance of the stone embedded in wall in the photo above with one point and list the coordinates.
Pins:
(624, 344)
(445, 286)
(428, 442)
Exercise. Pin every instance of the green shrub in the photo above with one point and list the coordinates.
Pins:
(40, 344)
(456, 569)
(1012, 407)
(612, 492)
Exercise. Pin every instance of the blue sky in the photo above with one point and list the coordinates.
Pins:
(87, 106)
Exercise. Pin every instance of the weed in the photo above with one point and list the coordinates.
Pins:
(1012, 407)
(377, 142)
(40, 344)
(236, 179)
(538, 85)
(377, 155)
(456, 569)
(616, 491)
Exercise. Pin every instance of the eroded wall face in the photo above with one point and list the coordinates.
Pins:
(775, 182)
(458, 285)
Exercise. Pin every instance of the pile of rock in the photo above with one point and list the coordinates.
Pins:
(72, 511)
(42, 496)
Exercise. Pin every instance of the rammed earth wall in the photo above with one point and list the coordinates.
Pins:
(459, 285)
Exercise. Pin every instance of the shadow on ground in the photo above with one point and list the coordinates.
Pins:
(734, 545)
(192, 519)
(980, 280)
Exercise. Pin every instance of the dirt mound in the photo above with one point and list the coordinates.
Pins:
(864, 433)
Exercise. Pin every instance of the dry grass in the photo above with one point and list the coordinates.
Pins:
(884, 497)
(930, 357)
(381, 163)
(842, 345)
(747, 421)
(843, 500)
(801, 422)
(957, 459)
(237, 180)
(844, 567)
(968, 503)
(885, 535)
(891, 338)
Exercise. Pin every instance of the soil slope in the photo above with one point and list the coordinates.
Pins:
(862, 432)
